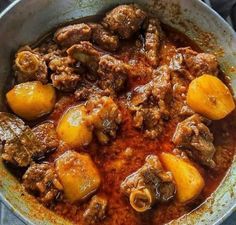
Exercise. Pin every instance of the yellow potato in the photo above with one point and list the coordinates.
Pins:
(73, 127)
(78, 175)
(31, 100)
(210, 97)
(189, 182)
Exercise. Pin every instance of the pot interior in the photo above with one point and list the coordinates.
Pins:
(20, 26)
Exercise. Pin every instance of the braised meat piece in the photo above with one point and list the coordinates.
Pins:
(112, 73)
(103, 38)
(88, 90)
(46, 133)
(73, 34)
(124, 20)
(149, 103)
(87, 54)
(193, 64)
(148, 185)
(105, 117)
(20, 144)
(64, 76)
(186, 111)
(30, 66)
(152, 41)
(96, 210)
(102, 64)
(42, 181)
(193, 136)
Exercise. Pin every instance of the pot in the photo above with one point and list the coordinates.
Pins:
(24, 21)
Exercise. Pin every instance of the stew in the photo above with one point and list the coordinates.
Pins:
(118, 121)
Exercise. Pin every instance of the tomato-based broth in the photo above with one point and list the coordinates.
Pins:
(126, 121)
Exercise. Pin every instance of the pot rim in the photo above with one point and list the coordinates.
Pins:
(25, 218)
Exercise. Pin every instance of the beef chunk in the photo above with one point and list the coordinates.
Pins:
(19, 143)
(42, 181)
(113, 73)
(64, 81)
(46, 133)
(124, 20)
(194, 136)
(105, 116)
(96, 210)
(151, 176)
(64, 76)
(193, 64)
(73, 34)
(152, 41)
(103, 38)
(149, 103)
(87, 54)
(186, 111)
(30, 66)
(88, 90)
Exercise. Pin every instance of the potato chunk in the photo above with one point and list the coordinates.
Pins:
(31, 100)
(78, 175)
(210, 97)
(100, 116)
(74, 128)
(189, 182)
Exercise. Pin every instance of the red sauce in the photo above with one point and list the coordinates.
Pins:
(114, 167)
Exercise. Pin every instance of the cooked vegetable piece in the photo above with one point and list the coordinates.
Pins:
(100, 115)
(31, 100)
(78, 175)
(19, 143)
(73, 127)
(189, 182)
(210, 97)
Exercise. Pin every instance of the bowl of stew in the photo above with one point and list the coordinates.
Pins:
(117, 112)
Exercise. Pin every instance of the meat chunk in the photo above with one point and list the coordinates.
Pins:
(148, 182)
(96, 210)
(186, 111)
(88, 90)
(103, 38)
(65, 82)
(73, 34)
(105, 117)
(64, 76)
(193, 136)
(42, 181)
(124, 20)
(193, 64)
(20, 144)
(113, 73)
(46, 133)
(87, 54)
(152, 41)
(149, 103)
(30, 66)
